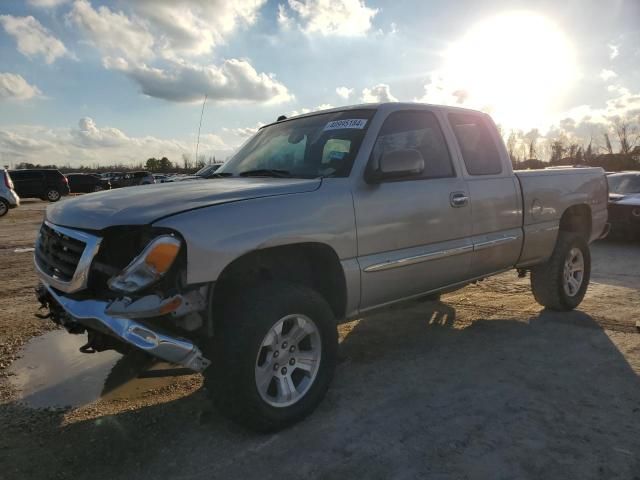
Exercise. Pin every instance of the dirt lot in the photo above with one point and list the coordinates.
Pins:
(481, 385)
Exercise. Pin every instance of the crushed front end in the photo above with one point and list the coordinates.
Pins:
(125, 288)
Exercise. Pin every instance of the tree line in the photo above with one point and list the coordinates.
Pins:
(532, 150)
(155, 165)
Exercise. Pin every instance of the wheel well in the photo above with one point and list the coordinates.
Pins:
(577, 219)
(314, 265)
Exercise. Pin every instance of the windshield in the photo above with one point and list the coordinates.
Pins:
(207, 170)
(624, 184)
(321, 145)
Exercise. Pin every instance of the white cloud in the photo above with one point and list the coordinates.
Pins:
(607, 74)
(194, 27)
(332, 17)
(234, 80)
(302, 111)
(284, 20)
(243, 132)
(46, 3)
(614, 50)
(169, 29)
(89, 144)
(14, 87)
(32, 38)
(440, 91)
(344, 92)
(379, 93)
(113, 32)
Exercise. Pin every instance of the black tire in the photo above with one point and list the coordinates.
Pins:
(4, 207)
(547, 279)
(98, 188)
(53, 195)
(230, 380)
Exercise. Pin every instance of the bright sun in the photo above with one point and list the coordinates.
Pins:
(517, 66)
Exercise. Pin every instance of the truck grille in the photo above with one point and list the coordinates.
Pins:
(57, 254)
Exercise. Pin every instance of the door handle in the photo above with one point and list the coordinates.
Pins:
(458, 199)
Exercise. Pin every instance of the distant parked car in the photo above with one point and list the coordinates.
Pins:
(44, 183)
(205, 172)
(130, 179)
(160, 178)
(8, 197)
(624, 203)
(87, 183)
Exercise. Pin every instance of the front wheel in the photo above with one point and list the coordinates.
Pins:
(274, 354)
(561, 283)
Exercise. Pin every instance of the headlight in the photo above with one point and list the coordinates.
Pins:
(148, 267)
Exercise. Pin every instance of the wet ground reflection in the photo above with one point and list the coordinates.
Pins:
(53, 373)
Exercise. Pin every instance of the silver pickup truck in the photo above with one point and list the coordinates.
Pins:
(316, 219)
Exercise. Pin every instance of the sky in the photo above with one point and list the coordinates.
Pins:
(104, 82)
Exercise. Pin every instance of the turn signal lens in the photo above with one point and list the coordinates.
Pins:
(161, 256)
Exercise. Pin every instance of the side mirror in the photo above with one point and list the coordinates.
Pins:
(399, 164)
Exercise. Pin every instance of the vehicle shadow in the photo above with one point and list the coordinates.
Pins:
(420, 393)
(612, 256)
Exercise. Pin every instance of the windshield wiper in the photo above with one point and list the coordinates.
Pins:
(219, 175)
(265, 172)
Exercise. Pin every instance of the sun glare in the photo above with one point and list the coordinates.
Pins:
(516, 66)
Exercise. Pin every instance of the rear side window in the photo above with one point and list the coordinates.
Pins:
(26, 174)
(53, 174)
(479, 151)
(415, 130)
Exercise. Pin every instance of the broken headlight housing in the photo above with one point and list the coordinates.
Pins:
(148, 267)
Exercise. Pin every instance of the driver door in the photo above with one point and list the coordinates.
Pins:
(414, 232)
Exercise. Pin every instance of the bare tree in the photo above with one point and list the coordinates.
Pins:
(532, 140)
(512, 142)
(607, 143)
(627, 134)
(186, 161)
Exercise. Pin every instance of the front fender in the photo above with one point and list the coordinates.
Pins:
(217, 235)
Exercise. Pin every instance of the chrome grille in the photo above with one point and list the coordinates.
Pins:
(63, 256)
(57, 254)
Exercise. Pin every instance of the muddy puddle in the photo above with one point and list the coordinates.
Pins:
(53, 373)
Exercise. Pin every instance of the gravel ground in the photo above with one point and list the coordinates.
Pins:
(484, 384)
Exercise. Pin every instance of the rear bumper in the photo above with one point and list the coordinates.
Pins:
(91, 314)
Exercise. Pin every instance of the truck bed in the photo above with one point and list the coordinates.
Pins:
(546, 195)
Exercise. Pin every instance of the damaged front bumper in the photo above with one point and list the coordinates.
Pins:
(92, 314)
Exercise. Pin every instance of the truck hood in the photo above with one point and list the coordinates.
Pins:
(629, 199)
(146, 203)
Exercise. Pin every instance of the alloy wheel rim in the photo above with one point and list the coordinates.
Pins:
(288, 360)
(3, 208)
(53, 195)
(573, 274)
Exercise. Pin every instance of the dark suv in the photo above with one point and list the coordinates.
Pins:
(86, 183)
(44, 183)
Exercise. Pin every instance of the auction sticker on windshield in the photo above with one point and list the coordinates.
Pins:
(358, 123)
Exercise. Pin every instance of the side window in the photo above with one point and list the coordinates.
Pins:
(479, 151)
(419, 131)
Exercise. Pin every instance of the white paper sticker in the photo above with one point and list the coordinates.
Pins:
(357, 123)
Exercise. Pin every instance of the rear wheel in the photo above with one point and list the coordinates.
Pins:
(274, 354)
(53, 195)
(98, 188)
(4, 207)
(561, 283)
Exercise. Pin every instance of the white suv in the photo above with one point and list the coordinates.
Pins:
(8, 197)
